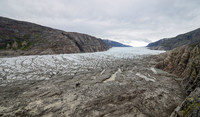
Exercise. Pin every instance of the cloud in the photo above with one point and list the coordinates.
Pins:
(135, 22)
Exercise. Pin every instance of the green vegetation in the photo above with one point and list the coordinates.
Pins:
(194, 44)
(19, 45)
(2, 46)
(38, 38)
(2, 37)
(36, 35)
(191, 105)
(26, 37)
(21, 42)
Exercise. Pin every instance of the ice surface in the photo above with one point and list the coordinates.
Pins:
(37, 67)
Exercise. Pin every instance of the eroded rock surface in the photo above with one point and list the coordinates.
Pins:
(87, 94)
(185, 63)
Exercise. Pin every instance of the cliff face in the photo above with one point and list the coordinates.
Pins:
(23, 38)
(180, 40)
(185, 63)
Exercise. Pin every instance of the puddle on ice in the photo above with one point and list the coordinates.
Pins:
(153, 70)
(144, 77)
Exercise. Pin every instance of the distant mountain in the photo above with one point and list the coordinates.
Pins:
(23, 38)
(115, 44)
(171, 43)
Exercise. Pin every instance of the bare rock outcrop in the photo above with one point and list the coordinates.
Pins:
(185, 63)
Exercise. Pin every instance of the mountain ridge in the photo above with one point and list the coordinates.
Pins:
(24, 38)
(174, 42)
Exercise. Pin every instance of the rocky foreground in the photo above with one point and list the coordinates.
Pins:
(120, 87)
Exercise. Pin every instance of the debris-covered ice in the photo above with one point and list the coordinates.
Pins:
(39, 67)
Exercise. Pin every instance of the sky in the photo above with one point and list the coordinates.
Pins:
(132, 22)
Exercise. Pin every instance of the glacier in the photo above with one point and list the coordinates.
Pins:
(44, 67)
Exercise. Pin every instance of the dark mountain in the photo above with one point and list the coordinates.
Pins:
(115, 44)
(23, 38)
(171, 43)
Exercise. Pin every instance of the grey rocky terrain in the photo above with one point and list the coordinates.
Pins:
(87, 86)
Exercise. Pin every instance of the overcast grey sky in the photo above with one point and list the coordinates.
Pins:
(134, 22)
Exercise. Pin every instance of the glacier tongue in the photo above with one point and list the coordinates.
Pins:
(39, 67)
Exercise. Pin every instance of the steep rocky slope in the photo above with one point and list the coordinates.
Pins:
(115, 44)
(185, 63)
(23, 38)
(180, 40)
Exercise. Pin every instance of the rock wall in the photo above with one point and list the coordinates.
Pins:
(185, 63)
(23, 38)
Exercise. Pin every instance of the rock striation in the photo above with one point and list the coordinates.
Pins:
(185, 63)
(180, 40)
(23, 38)
(103, 87)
